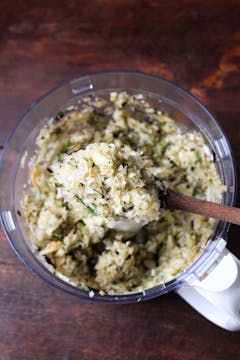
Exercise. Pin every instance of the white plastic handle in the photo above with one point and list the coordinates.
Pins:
(217, 297)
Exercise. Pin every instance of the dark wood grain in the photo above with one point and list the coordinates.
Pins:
(43, 43)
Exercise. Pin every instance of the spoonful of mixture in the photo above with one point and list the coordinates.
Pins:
(111, 183)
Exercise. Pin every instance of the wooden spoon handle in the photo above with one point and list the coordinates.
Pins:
(178, 201)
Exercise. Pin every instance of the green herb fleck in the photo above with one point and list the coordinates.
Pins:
(161, 149)
(198, 156)
(59, 158)
(91, 210)
(141, 118)
(58, 185)
(100, 126)
(59, 115)
(67, 145)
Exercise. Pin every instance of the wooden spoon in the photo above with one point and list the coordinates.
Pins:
(177, 201)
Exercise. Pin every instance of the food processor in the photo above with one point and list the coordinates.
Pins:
(211, 284)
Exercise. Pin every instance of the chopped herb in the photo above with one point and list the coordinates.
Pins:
(59, 115)
(160, 124)
(83, 203)
(67, 145)
(164, 241)
(198, 156)
(50, 170)
(141, 118)
(161, 149)
(100, 126)
(58, 185)
(47, 184)
(59, 158)
(139, 114)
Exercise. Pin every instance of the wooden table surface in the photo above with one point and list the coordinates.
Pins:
(43, 43)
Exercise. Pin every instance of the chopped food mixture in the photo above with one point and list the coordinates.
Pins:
(106, 160)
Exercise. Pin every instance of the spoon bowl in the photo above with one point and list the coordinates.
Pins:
(176, 201)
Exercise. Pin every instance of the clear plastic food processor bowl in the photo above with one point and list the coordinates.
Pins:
(160, 93)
